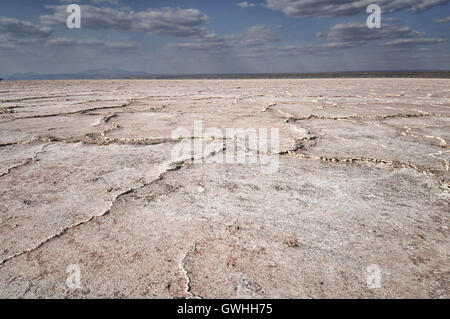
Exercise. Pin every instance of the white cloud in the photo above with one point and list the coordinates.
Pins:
(408, 43)
(443, 20)
(254, 36)
(356, 32)
(108, 2)
(246, 4)
(352, 35)
(330, 8)
(60, 42)
(165, 21)
(15, 28)
(14, 31)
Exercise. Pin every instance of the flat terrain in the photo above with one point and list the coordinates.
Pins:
(88, 178)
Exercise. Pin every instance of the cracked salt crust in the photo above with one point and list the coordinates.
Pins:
(87, 179)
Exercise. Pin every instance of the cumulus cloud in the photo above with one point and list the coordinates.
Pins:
(61, 42)
(411, 43)
(359, 32)
(292, 50)
(14, 31)
(351, 35)
(332, 8)
(165, 21)
(204, 46)
(110, 2)
(101, 2)
(443, 20)
(246, 4)
(254, 36)
(209, 42)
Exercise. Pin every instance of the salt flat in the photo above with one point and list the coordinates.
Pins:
(88, 178)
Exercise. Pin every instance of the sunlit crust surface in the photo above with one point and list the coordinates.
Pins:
(87, 178)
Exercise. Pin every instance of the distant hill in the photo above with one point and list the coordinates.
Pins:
(122, 74)
(88, 74)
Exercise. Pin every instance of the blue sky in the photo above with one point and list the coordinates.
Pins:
(218, 36)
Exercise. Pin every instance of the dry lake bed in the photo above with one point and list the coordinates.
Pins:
(93, 202)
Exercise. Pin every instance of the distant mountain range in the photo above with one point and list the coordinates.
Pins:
(122, 74)
(88, 74)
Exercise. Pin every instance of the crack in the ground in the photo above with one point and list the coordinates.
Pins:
(17, 143)
(124, 105)
(358, 117)
(108, 117)
(171, 166)
(10, 169)
(446, 186)
(306, 135)
(391, 163)
(85, 221)
(85, 111)
(26, 162)
(292, 119)
(407, 132)
(268, 107)
(101, 140)
(39, 97)
(182, 267)
(64, 230)
(446, 162)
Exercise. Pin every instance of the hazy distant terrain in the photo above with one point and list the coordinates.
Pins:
(88, 178)
(122, 74)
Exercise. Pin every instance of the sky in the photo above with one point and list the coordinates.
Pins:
(223, 36)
